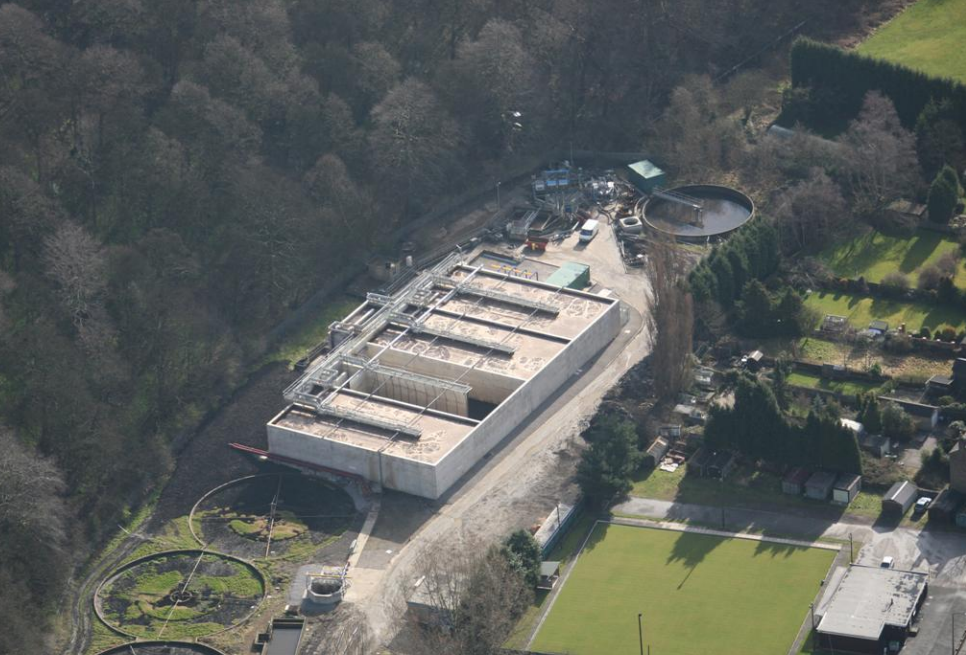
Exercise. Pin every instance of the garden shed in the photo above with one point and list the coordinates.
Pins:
(794, 482)
(899, 498)
(819, 486)
(846, 488)
(657, 451)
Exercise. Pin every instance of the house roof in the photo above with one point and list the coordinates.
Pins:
(867, 599)
(940, 380)
(879, 325)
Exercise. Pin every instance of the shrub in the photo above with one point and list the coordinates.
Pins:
(924, 333)
(930, 277)
(895, 281)
(945, 400)
(947, 291)
(948, 264)
(948, 334)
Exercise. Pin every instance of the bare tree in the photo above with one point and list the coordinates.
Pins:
(414, 142)
(672, 319)
(74, 261)
(811, 212)
(879, 157)
(478, 598)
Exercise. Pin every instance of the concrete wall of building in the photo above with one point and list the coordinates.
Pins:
(413, 477)
(410, 391)
(523, 402)
(488, 387)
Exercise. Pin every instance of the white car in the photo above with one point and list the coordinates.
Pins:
(589, 230)
(888, 562)
(923, 503)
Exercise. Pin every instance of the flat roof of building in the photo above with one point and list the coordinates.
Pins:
(464, 318)
(438, 434)
(531, 353)
(867, 599)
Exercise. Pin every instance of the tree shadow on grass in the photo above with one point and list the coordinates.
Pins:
(691, 549)
(923, 246)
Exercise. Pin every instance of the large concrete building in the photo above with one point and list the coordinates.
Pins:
(419, 386)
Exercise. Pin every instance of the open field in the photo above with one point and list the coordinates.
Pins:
(928, 36)
(861, 311)
(848, 387)
(698, 594)
(874, 255)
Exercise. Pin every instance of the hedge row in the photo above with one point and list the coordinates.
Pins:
(844, 77)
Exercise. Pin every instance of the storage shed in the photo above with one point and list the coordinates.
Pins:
(708, 464)
(899, 498)
(571, 275)
(657, 451)
(549, 574)
(794, 482)
(646, 176)
(876, 444)
(819, 486)
(846, 488)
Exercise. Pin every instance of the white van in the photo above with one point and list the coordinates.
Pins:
(589, 230)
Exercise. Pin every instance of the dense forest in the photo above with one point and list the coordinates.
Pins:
(176, 175)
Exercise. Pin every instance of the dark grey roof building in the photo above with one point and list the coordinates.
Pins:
(865, 608)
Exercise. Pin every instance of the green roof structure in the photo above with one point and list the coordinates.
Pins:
(571, 275)
(646, 176)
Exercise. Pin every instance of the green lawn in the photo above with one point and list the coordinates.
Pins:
(861, 311)
(814, 381)
(874, 255)
(698, 594)
(928, 36)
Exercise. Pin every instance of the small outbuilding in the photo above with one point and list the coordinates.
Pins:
(899, 498)
(857, 428)
(657, 451)
(708, 464)
(794, 481)
(549, 574)
(957, 466)
(753, 360)
(691, 414)
(875, 444)
(846, 488)
(819, 485)
(646, 176)
(571, 275)
(940, 385)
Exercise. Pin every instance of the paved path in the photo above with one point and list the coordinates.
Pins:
(684, 527)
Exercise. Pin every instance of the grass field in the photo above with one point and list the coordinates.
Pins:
(928, 36)
(698, 594)
(874, 255)
(813, 381)
(862, 311)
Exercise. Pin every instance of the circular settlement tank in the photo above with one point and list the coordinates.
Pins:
(722, 210)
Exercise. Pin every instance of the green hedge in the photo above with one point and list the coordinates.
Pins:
(840, 79)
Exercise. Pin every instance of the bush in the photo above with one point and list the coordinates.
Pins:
(924, 333)
(895, 281)
(948, 334)
(930, 277)
(945, 400)
(948, 264)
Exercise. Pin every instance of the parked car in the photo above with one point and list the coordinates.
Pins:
(922, 504)
(888, 562)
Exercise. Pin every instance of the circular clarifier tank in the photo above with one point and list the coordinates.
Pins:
(697, 212)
